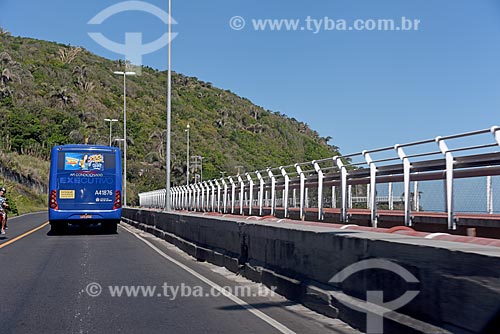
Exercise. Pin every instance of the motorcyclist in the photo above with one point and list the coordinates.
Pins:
(3, 207)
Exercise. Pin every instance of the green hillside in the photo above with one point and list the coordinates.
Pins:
(57, 94)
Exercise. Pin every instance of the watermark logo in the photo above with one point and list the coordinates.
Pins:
(133, 49)
(237, 23)
(374, 306)
(315, 25)
(93, 289)
(172, 292)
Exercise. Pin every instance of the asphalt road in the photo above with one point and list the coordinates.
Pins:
(70, 284)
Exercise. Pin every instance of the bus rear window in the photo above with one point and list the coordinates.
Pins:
(86, 161)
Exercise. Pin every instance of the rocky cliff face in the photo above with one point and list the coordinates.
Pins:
(10, 175)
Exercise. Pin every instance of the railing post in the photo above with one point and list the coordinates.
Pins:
(197, 188)
(212, 199)
(218, 194)
(208, 195)
(202, 186)
(306, 196)
(373, 188)
(343, 189)
(285, 191)
(349, 194)
(173, 191)
(416, 197)
(190, 197)
(261, 192)
(184, 196)
(181, 197)
(172, 197)
(224, 204)
(406, 181)
(495, 130)
(449, 181)
(193, 197)
(242, 193)
(250, 194)
(334, 197)
(368, 204)
(178, 195)
(301, 191)
(318, 170)
(233, 193)
(273, 191)
(164, 192)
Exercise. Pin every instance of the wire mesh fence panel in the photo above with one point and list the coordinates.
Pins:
(327, 197)
(470, 195)
(495, 194)
(279, 198)
(390, 196)
(431, 196)
(312, 198)
(359, 196)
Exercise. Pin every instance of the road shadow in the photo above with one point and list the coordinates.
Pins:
(76, 230)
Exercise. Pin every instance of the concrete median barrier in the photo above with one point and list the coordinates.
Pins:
(456, 287)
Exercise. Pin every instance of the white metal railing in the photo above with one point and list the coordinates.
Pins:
(303, 185)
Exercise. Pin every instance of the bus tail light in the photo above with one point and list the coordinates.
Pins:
(53, 200)
(118, 200)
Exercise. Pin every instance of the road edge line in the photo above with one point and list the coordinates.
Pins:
(272, 322)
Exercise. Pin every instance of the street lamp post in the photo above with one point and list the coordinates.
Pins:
(169, 106)
(187, 156)
(124, 133)
(201, 168)
(110, 122)
(198, 159)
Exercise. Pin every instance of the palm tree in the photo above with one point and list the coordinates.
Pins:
(158, 138)
(4, 32)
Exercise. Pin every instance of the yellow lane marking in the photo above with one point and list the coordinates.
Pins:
(23, 235)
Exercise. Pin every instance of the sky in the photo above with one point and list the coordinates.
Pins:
(363, 88)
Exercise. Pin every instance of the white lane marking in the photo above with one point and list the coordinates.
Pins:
(279, 326)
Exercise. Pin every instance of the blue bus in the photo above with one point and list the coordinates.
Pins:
(85, 186)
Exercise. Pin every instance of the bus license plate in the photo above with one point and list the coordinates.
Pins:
(86, 216)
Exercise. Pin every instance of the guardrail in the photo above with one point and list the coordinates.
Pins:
(330, 181)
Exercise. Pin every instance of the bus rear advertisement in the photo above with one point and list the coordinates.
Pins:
(85, 186)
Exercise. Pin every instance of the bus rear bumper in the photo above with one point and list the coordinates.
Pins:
(84, 217)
